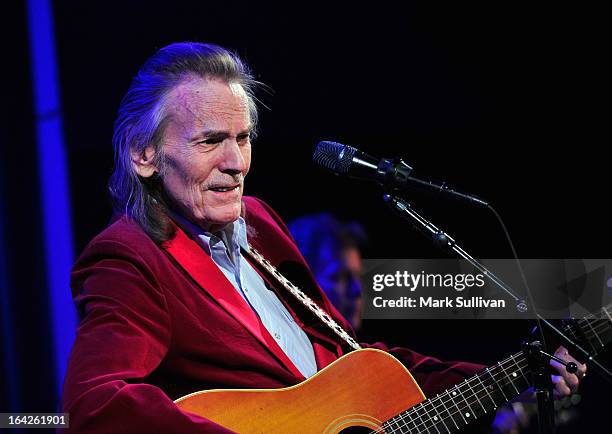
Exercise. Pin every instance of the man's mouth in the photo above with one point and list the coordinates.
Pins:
(224, 188)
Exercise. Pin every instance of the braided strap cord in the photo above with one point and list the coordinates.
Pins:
(304, 299)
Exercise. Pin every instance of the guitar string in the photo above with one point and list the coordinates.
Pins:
(571, 329)
(500, 383)
(451, 414)
(589, 330)
(592, 317)
(424, 423)
(402, 423)
(402, 417)
(595, 334)
(603, 322)
(590, 337)
(600, 328)
(441, 418)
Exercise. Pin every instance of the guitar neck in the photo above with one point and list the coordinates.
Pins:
(467, 401)
(595, 331)
(491, 388)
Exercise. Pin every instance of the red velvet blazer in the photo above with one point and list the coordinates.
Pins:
(157, 323)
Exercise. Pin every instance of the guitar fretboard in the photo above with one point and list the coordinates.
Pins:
(469, 400)
(595, 331)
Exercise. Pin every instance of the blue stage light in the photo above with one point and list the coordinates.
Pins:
(53, 175)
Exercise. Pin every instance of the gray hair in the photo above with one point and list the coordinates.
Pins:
(142, 118)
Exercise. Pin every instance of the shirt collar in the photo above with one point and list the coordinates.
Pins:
(234, 235)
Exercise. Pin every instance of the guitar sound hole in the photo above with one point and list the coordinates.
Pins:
(357, 430)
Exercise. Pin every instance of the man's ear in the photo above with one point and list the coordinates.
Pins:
(143, 162)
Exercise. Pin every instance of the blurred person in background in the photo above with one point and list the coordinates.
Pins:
(333, 249)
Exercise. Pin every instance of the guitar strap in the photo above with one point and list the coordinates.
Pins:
(303, 298)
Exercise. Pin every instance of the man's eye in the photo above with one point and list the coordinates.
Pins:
(210, 141)
(243, 138)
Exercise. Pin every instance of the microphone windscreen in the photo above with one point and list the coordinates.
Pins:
(334, 156)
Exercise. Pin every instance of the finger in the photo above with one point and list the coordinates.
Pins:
(561, 387)
(563, 354)
(571, 380)
(582, 367)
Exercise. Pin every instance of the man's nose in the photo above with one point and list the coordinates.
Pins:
(232, 159)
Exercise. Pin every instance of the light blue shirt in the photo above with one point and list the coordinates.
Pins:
(224, 249)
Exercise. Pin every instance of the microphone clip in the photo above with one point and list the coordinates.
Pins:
(393, 173)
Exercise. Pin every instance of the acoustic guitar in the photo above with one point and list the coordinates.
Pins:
(371, 391)
(366, 390)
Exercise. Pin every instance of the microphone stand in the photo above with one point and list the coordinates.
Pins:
(445, 241)
(538, 361)
(539, 365)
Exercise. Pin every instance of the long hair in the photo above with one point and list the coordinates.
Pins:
(142, 118)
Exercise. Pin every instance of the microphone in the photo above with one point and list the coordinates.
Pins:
(394, 174)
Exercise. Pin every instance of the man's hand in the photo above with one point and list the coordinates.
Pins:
(566, 383)
(511, 418)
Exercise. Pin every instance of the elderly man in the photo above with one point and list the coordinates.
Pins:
(170, 299)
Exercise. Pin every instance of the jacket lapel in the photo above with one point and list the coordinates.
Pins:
(202, 269)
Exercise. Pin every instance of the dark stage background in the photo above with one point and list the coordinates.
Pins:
(506, 103)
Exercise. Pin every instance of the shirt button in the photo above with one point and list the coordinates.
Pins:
(246, 290)
(277, 336)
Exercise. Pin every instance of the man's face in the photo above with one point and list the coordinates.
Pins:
(340, 279)
(207, 150)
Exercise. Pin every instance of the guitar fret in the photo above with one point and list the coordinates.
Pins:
(595, 333)
(426, 420)
(590, 342)
(476, 395)
(604, 330)
(395, 421)
(408, 426)
(465, 401)
(605, 309)
(471, 414)
(570, 329)
(593, 330)
(451, 397)
(441, 408)
(518, 366)
(486, 389)
(388, 427)
(431, 420)
(432, 414)
(449, 413)
(437, 417)
(604, 324)
(414, 424)
(498, 386)
(509, 377)
(419, 423)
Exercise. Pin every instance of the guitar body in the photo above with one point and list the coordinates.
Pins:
(361, 389)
